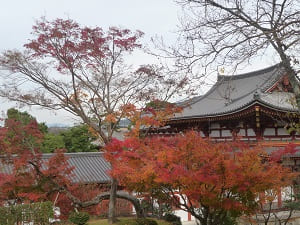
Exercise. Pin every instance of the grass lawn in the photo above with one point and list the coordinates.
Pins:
(123, 219)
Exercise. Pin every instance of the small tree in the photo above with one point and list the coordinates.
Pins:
(269, 209)
(38, 213)
(26, 179)
(79, 218)
(211, 181)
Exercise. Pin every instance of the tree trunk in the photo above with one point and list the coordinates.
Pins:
(105, 196)
(295, 85)
(286, 62)
(112, 201)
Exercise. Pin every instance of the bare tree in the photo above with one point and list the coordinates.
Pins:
(82, 70)
(269, 210)
(233, 32)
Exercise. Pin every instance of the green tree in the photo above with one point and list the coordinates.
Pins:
(52, 142)
(25, 118)
(79, 139)
(75, 139)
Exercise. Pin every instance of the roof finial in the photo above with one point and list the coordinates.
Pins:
(221, 71)
(256, 95)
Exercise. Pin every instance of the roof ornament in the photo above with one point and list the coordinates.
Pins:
(256, 95)
(220, 73)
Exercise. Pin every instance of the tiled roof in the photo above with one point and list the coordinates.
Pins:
(89, 167)
(234, 93)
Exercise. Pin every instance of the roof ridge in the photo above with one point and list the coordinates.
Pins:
(235, 77)
(74, 154)
(249, 74)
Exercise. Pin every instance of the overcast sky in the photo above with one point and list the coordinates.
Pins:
(153, 17)
(150, 16)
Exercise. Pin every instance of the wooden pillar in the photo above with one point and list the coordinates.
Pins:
(206, 130)
(279, 197)
(189, 216)
(258, 130)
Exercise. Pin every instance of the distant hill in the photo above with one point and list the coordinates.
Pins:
(57, 125)
(57, 130)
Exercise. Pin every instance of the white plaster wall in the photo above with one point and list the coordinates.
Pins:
(282, 131)
(182, 214)
(215, 126)
(215, 133)
(269, 131)
(250, 132)
(242, 132)
(226, 133)
(202, 134)
(286, 193)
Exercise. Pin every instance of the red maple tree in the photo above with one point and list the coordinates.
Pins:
(27, 177)
(209, 180)
(28, 174)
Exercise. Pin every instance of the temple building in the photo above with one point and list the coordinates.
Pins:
(254, 107)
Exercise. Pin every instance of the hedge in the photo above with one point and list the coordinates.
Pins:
(38, 213)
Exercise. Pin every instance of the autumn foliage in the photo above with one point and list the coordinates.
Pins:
(72, 45)
(212, 179)
(20, 150)
(28, 177)
(149, 117)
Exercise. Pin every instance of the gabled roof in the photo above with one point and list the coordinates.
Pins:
(89, 167)
(232, 94)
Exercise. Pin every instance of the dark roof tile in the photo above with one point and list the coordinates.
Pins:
(89, 167)
(233, 93)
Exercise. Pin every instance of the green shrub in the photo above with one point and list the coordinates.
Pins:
(127, 222)
(175, 220)
(79, 218)
(146, 221)
(39, 213)
(139, 221)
